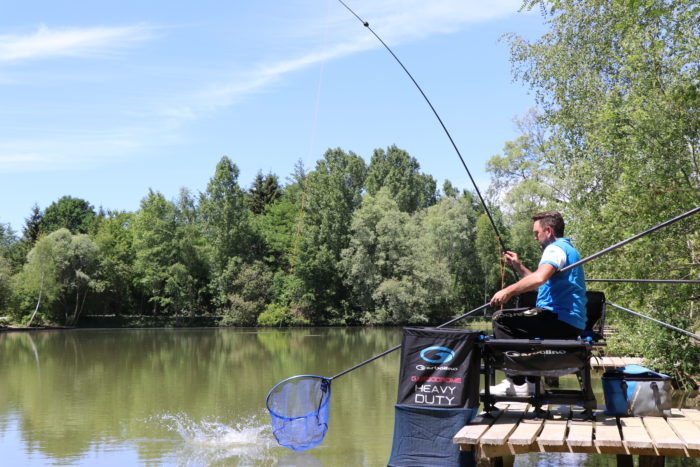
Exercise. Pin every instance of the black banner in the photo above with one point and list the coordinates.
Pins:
(439, 368)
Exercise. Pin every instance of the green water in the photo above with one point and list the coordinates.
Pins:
(195, 397)
(187, 397)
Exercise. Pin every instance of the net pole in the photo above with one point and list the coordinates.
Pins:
(399, 346)
(674, 328)
(649, 281)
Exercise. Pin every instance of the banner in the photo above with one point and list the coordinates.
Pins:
(439, 368)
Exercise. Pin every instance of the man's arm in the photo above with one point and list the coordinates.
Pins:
(530, 282)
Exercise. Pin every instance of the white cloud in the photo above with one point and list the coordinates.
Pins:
(47, 42)
(395, 21)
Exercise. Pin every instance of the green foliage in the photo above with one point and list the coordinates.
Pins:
(74, 214)
(5, 285)
(618, 86)
(61, 269)
(250, 292)
(32, 226)
(279, 316)
(399, 172)
(333, 194)
(265, 190)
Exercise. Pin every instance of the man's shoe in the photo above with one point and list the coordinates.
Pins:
(507, 388)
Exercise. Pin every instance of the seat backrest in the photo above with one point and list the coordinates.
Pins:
(595, 310)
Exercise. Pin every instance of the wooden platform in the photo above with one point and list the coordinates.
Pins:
(604, 363)
(514, 430)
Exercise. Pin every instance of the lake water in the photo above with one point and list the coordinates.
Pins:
(195, 397)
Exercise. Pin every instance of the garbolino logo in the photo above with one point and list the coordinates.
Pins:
(437, 354)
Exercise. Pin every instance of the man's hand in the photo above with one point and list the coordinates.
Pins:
(500, 297)
(512, 259)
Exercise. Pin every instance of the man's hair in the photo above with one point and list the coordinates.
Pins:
(551, 219)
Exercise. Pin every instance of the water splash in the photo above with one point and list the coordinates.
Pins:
(248, 441)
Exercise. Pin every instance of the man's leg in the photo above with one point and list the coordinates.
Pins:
(528, 324)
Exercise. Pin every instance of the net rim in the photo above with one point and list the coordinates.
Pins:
(269, 393)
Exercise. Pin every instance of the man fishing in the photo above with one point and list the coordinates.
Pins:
(560, 311)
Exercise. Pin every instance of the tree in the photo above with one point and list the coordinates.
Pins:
(264, 191)
(61, 270)
(399, 172)
(225, 223)
(114, 239)
(617, 83)
(32, 226)
(378, 245)
(155, 247)
(74, 214)
(333, 194)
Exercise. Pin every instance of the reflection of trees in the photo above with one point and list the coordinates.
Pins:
(77, 388)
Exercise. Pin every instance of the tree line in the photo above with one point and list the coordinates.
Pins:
(614, 144)
(343, 244)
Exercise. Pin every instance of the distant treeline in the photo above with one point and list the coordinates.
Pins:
(345, 243)
(614, 146)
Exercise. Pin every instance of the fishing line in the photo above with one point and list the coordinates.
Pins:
(449, 136)
(312, 139)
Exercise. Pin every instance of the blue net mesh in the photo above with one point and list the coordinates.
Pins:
(299, 410)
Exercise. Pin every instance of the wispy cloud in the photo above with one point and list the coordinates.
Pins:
(47, 42)
(395, 21)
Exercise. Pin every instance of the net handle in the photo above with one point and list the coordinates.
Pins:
(399, 346)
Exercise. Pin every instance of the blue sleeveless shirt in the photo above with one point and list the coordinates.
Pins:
(565, 293)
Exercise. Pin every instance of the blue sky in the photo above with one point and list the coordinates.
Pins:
(106, 100)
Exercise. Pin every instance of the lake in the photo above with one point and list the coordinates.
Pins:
(196, 397)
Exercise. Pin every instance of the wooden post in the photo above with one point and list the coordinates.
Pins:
(624, 460)
(652, 461)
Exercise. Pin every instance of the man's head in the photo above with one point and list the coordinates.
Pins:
(547, 226)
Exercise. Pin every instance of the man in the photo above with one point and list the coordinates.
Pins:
(560, 311)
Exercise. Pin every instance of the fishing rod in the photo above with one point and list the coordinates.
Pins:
(449, 136)
(682, 331)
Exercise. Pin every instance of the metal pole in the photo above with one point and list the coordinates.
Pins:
(399, 346)
(682, 331)
(631, 239)
(649, 281)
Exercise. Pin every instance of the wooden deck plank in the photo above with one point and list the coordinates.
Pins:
(607, 436)
(687, 431)
(580, 437)
(614, 362)
(691, 414)
(665, 439)
(635, 437)
(552, 438)
(502, 427)
(493, 443)
(522, 440)
(470, 433)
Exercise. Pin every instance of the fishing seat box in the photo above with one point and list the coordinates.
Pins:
(549, 358)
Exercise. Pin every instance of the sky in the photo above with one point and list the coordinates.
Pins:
(105, 101)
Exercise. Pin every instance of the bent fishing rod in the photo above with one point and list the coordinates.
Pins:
(449, 136)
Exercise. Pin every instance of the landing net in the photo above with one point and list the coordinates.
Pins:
(299, 410)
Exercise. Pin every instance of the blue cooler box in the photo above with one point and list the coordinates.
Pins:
(637, 391)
